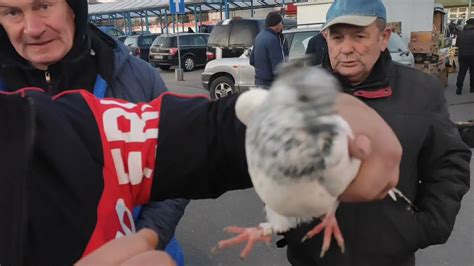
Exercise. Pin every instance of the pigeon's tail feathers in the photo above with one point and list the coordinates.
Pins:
(281, 223)
(248, 102)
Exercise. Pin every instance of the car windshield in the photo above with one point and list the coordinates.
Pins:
(300, 43)
(131, 41)
(396, 45)
(165, 42)
(147, 40)
(236, 33)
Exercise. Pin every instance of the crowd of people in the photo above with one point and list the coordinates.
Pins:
(77, 132)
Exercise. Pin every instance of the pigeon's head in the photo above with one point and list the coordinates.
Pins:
(305, 87)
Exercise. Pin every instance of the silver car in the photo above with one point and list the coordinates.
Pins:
(226, 76)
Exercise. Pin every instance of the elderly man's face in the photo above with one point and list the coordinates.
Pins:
(354, 50)
(41, 31)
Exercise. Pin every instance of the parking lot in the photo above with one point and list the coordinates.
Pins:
(203, 221)
(190, 85)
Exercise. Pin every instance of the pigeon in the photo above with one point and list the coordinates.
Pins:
(297, 154)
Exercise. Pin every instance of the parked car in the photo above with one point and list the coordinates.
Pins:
(226, 76)
(206, 28)
(164, 50)
(231, 37)
(113, 32)
(229, 75)
(139, 45)
(122, 38)
(399, 51)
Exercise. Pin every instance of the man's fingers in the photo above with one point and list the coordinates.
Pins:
(151, 258)
(360, 147)
(120, 250)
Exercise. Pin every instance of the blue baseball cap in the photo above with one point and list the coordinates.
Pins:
(355, 12)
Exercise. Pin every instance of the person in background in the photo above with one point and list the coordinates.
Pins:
(51, 45)
(434, 171)
(270, 50)
(452, 29)
(317, 48)
(465, 44)
(190, 30)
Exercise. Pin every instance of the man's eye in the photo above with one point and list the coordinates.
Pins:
(44, 6)
(359, 36)
(10, 12)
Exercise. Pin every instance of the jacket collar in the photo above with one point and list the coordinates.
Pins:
(377, 85)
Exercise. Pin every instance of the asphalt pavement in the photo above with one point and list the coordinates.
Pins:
(201, 227)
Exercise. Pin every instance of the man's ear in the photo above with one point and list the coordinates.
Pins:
(386, 33)
(325, 34)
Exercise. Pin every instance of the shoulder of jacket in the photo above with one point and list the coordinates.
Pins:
(418, 82)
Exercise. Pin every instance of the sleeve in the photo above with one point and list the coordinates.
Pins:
(445, 177)
(173, 147)
(275, 53)
(162, 216)
(201, 151)
(159, 86)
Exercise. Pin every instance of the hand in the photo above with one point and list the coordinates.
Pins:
(137, 249)
(376, 145)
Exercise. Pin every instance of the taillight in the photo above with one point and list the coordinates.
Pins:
(173, 51)
(210, 56)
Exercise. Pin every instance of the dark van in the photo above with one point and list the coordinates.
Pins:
(233, 36)
(164, 51)
(139, 45)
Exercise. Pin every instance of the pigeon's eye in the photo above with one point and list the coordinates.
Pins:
(303, 98)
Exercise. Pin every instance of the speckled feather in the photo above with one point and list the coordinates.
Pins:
(297, 148)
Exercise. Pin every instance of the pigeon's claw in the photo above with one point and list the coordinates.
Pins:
(251, 235)
(330, 226)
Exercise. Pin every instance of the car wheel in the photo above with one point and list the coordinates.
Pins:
(188, 63)
(221, 87)
(165, 67)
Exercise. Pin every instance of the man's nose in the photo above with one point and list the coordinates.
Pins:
(34, 25)
(347, 46)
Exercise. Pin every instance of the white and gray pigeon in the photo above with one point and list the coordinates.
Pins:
(297, 154)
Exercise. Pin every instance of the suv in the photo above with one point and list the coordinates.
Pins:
(231, 37)
(139, 45)
(225, 76)
(164, 50)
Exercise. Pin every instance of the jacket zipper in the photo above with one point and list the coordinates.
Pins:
(47, 77)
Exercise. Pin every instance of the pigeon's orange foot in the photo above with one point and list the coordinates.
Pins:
(330, 226)
(251, 235)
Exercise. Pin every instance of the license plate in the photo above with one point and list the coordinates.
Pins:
(158, 57)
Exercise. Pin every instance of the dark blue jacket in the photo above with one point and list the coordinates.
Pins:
(270, 49)
(107, 70)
